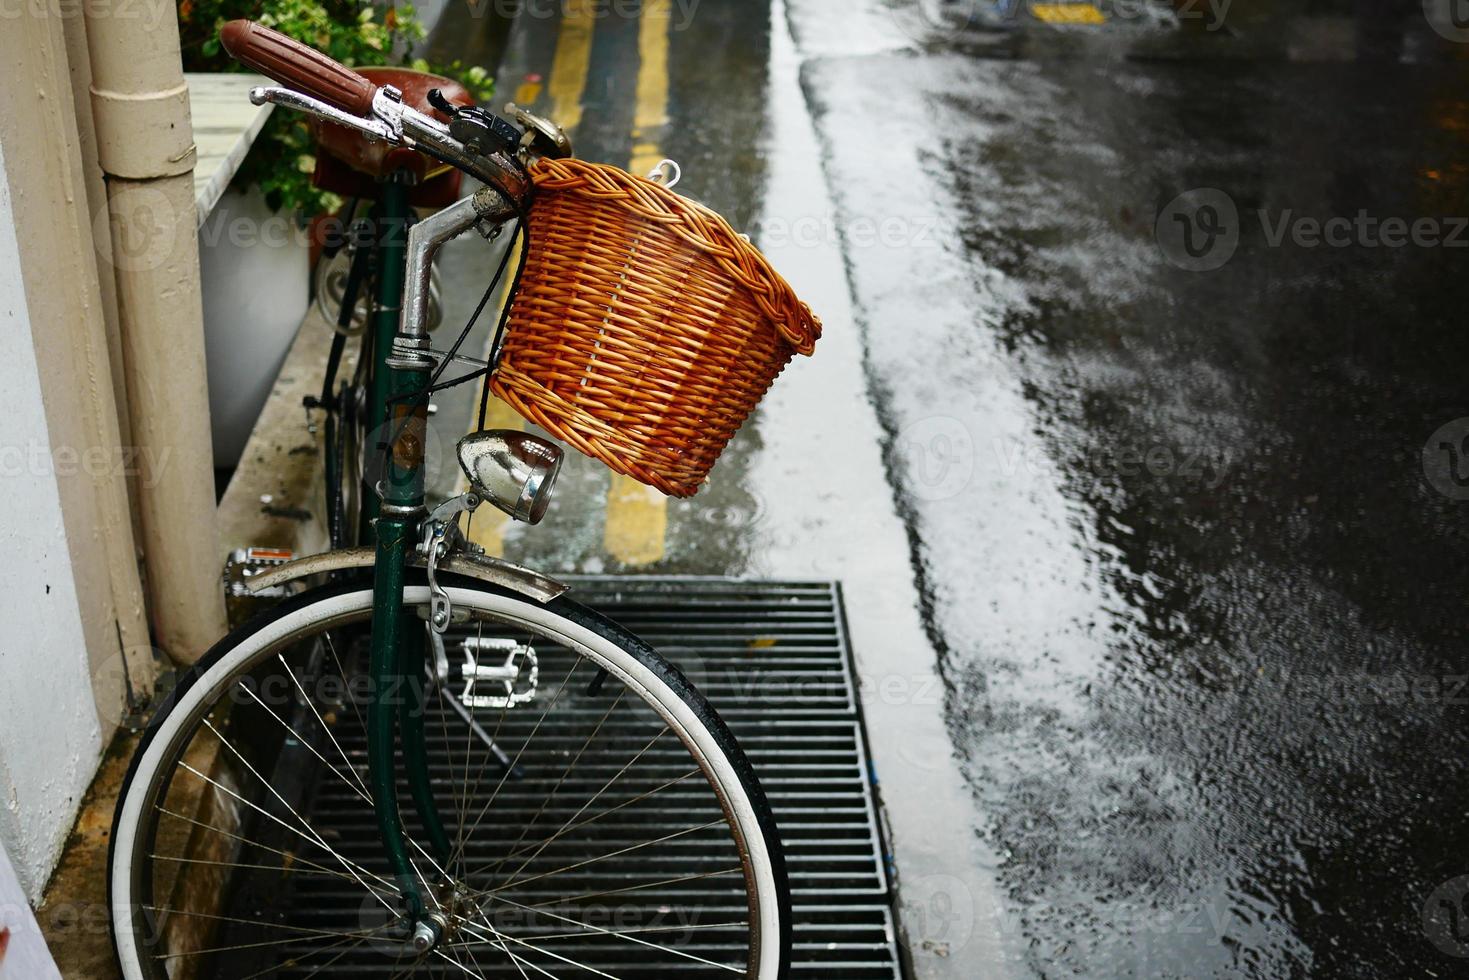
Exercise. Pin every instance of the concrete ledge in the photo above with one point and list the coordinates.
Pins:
(225, 124)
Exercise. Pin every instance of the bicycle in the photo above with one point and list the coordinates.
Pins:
(265, 827)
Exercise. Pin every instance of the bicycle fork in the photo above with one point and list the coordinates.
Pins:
(397, 661)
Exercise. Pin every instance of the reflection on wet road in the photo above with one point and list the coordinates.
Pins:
(669, 81)
(1161, 315)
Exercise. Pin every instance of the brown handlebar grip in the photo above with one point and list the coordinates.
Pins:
(298, 66)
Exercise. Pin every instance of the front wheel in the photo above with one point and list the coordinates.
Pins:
(601, 819)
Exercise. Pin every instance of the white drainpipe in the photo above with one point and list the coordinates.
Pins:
(145, 145)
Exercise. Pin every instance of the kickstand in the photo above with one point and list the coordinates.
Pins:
(515, 770)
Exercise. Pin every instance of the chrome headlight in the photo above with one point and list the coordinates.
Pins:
(513, 470)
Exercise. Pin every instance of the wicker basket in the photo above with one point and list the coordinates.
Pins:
(644, 330)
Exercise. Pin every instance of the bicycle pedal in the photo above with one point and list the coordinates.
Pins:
(514, 663)
(242, 565)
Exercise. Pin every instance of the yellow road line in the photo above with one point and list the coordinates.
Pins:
(526, 93)
(651, 110)
(1068, 13)
(637, 515)
(569, 66)
(637, 522)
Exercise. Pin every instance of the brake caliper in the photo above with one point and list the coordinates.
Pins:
(438, 532)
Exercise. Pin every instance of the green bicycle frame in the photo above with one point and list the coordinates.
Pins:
(390, 224)
(398, 412)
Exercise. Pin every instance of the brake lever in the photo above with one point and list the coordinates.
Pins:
(288, 98)
(403, 125)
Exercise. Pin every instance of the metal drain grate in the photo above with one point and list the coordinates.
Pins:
(774, 660)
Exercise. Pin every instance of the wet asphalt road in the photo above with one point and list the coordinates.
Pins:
(1197, 597)
(1185, 522)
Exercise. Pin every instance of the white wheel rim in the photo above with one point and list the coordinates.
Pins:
(595, 647)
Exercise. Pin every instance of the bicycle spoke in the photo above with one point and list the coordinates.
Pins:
(348, 946)
(458, 788)
(621, 935)
(254, 843)
(570, 766)
(351, 866)
(520, 962)
(354, 784)
(427, 889)
(399, 974)
(322, 721)
(642, 930)
(452, 961)
(528, 739)
(602, 857)
(254, 867)
(458, 858)
(215, 917)
(269, 942)
(469, 951)
(360, 789)
(634, 888)
(468, 744)
(506, 949)
(545, 952)
(266, 783)
(454, 953)
(273, 792)
(595, 796)
(569, 825)
(331, 647)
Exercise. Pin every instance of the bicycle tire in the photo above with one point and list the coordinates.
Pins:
(589, 636)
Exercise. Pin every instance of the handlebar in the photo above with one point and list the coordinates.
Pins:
(295, 64)
(322, 87)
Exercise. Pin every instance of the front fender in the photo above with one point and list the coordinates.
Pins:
(496, 571)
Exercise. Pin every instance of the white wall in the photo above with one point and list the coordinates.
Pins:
(50, 739)
(27, 957)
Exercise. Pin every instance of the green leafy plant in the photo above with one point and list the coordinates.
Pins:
(355, 33)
